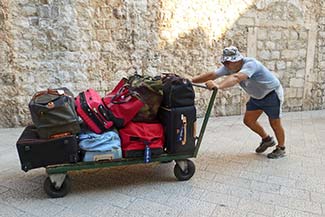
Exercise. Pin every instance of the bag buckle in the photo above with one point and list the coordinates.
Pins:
(50, 105)
(60, 92)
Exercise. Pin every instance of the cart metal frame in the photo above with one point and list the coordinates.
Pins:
(57, 184)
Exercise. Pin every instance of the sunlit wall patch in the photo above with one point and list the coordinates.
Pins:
(179, 17)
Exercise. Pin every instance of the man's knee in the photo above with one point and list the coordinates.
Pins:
(276, 124)
(249, 122)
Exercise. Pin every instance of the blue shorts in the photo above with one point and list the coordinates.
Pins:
(270, 104)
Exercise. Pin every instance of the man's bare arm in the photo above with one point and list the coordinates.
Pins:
(204, 77)
(230, 81)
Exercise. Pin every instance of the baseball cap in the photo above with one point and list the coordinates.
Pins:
(231, 54)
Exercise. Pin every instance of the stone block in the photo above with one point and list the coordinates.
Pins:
(275, 54)
(264, 55)
(297, 82)
(321, 34)
(300, 73)
(322, 64)
(281, 64)
(274, 35)
(246, 21)
(104, 35)
(303, 35)
(294, 35)
(28, 10)
(105, 12)
(262, 34)
(44, 11)
(290, 92)
(270, 45)
(270, 65)
(54, 12)
(260, 45)
(290, 54)
(300, 92)
(280, 45)
(289, 64)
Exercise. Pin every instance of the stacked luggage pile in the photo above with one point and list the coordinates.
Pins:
(142, 117)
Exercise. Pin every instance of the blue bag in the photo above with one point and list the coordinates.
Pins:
(105, 146)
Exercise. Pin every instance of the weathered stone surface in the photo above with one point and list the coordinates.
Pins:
(93, 43)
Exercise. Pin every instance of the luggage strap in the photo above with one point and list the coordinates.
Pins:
(146, 142)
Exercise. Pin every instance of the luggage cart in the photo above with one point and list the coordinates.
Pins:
(58, 183)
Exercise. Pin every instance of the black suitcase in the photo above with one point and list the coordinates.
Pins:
(178, 91)
(180, 129)
(35, 152)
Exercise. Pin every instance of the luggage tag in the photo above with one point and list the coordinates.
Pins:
(147, 152)
(182, 132)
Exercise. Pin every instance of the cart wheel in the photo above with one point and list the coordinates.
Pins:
(54, 192)
(186, 173)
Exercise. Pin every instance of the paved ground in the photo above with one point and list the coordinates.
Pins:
(231, 180)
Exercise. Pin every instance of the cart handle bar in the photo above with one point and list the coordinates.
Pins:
(206, 117)
(202, 86)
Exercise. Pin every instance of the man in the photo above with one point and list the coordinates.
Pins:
(264, 89)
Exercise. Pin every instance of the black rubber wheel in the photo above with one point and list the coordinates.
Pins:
(53, 192)
(187, 174)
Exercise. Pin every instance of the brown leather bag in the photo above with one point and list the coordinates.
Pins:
(53, 112)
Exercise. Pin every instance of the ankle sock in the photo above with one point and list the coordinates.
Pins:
(267, 139)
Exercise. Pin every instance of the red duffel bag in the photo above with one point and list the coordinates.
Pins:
(137, 136)
(123, 103)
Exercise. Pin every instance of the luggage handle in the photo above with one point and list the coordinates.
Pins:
(50, 91)
(174, 78)
(127, 96)
(184, 122)
(146, 142)
(105, 113)
(60, 135)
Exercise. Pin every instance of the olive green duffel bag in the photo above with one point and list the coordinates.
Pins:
(53, 113)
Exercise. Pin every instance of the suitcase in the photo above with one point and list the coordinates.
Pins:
(35, 152)
(178, 91)
(180, 129)
(53, 112)
(90, 108)
(137, 135)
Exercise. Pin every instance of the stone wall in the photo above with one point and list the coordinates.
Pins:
(93, 43)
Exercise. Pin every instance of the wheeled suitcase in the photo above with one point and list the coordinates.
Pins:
(90, 108)
(35, 152)
(180, 129)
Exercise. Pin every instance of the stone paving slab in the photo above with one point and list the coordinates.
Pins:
(230, 179)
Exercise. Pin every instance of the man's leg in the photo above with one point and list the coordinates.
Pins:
(250, 120)
(278, 131)
(279, 151)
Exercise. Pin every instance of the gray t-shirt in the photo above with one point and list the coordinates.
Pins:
(260, 80)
